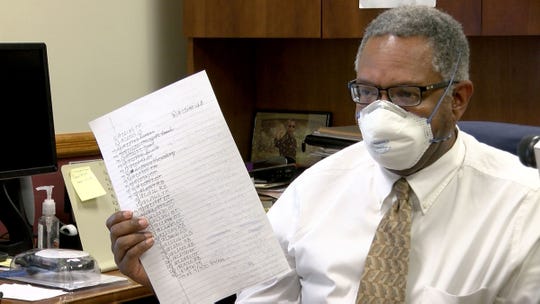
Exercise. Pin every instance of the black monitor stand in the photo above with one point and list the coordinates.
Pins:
(12, 216)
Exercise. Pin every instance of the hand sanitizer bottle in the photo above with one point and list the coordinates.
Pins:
(48, 224)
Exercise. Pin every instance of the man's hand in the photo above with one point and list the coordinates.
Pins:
(128, 242)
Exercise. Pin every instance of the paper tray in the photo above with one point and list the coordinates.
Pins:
(50, 279)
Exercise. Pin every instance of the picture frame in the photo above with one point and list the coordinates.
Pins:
(269, 138)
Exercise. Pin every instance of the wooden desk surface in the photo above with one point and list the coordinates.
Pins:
(119, 292)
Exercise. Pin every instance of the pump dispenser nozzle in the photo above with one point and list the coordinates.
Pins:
(49, 207)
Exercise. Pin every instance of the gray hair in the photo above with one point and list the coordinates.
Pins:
(444, 33)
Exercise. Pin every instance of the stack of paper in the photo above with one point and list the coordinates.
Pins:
(351, 132)
(331, 139)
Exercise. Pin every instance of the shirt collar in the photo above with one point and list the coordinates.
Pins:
(429, 182)
(384, 180)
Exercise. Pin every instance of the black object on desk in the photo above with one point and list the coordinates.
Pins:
(12, 216)
(273, 170)
(3, 256)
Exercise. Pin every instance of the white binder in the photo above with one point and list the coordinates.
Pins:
(90, 215)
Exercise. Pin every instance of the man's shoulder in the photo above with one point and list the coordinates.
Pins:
(496, 163)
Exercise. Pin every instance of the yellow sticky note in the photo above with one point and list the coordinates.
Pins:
(85, 183)
(6, 263)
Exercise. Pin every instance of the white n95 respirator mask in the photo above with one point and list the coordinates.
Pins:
(395, 138)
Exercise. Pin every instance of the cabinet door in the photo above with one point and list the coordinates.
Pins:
(252, 18)
(501, 18)
(344, 19)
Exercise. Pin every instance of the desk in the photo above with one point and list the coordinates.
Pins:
(120, 292)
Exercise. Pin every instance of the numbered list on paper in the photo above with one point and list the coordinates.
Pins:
(172, 159)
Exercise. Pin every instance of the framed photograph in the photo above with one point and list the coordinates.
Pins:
(282, 133)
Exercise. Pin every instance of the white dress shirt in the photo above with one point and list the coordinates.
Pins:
(475, 233)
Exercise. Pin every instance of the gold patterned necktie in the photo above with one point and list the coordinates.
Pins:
(385, 272)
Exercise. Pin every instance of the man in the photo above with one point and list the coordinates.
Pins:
(286, 143)
(474, 210)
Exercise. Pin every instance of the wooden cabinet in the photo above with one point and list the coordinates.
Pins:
(500, 18)
(300, 18)
(299, 54)
(252, 18)
(343, 18)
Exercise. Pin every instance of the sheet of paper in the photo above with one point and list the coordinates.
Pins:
(394, 3)
(28, 292)
(172, 158)
(6, 263)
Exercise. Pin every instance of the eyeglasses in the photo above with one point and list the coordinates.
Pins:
(403, 96)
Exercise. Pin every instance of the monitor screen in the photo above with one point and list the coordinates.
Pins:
(28, 138)
(26, 119)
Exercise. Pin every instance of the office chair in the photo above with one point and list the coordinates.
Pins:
(502, 135)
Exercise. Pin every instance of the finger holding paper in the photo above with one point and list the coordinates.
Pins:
(129, 241)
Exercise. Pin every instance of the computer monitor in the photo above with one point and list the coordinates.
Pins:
(28, 137)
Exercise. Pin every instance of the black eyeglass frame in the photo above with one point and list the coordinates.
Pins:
(422, 89)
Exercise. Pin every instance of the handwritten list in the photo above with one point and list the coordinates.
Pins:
(172, 159)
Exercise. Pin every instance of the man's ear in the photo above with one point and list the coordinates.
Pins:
(461, 96)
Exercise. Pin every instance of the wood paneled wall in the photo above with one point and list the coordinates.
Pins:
(311, 74)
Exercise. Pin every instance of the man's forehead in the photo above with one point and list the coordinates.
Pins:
(390, 59)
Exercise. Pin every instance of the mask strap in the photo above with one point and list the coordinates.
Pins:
(437, 140)
(445, 91)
